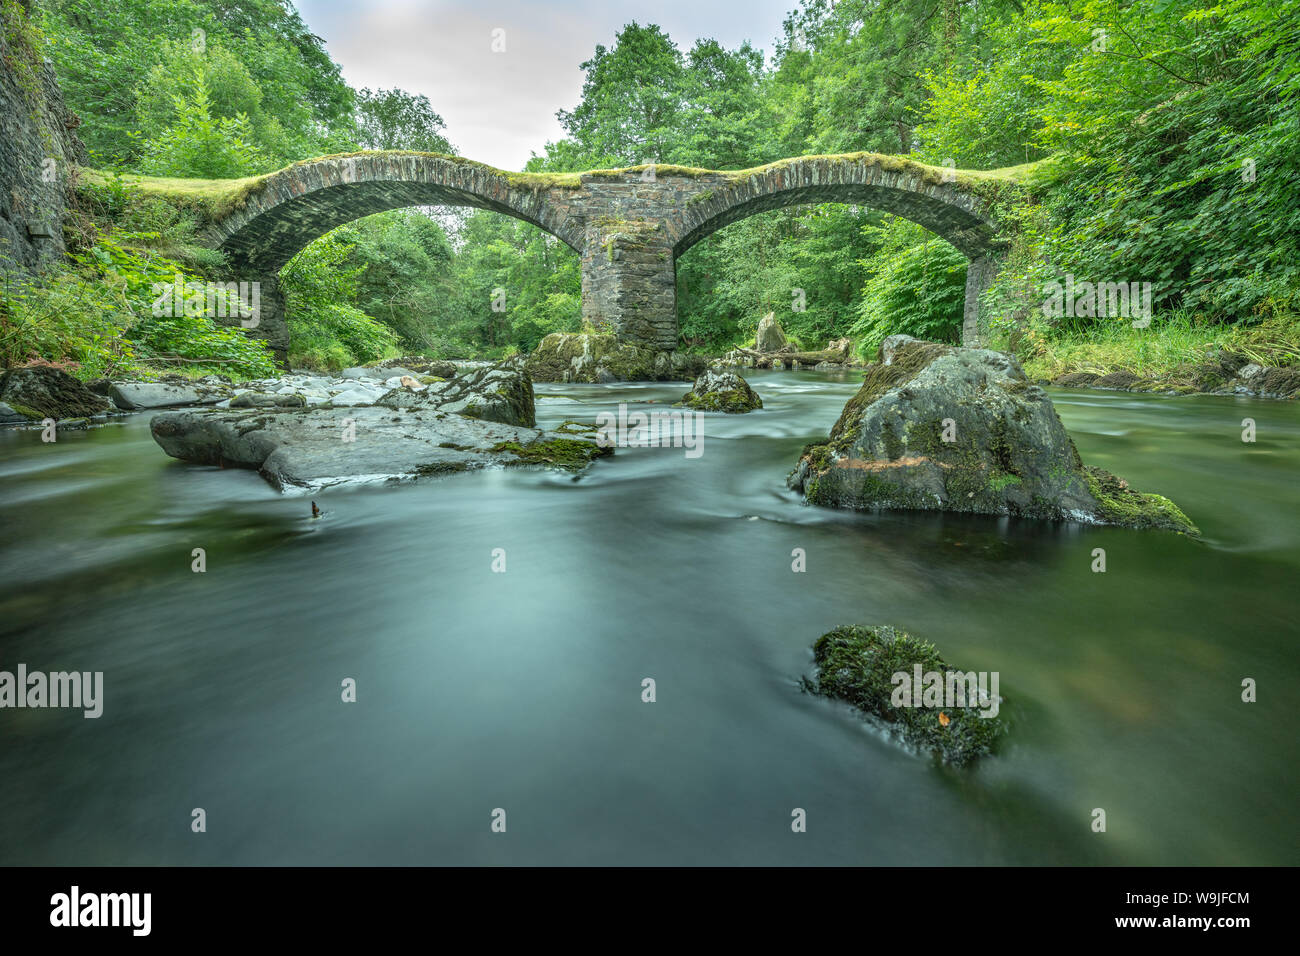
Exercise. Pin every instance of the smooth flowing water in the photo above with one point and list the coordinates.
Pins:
(522, 690)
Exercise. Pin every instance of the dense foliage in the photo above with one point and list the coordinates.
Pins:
(1166, 131)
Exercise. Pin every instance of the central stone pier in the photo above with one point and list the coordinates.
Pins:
(629, 282)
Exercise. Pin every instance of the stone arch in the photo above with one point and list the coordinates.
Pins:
(949, 203)
(282, 212)
(951, 210)
(290, 208)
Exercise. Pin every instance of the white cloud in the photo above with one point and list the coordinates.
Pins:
(499, 107)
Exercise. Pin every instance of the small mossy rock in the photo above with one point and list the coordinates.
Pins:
(720, 390)
(770, 336)
(571, 454)
(844, 347)
(952, 429)
(858, 664)
(1120, 505)
(11, 416)
(46, 392)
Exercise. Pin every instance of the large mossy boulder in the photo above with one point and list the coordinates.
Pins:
(43, 391)
(939, 428)
(720, 390)
(860, 665)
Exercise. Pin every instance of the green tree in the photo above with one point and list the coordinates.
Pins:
(631, 100)
(197, 144)
(917, 286)
(395, 119)
(326, 328)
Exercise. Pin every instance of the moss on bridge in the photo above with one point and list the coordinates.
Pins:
(213, 198)
(217, 198)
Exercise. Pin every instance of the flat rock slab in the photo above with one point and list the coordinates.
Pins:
(132, 396)
(483, 418)
(309, 449)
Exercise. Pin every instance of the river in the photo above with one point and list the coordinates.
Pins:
(478, 690)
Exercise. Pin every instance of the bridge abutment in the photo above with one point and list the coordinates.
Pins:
(269, 322)
(629, 282)
(979, 274)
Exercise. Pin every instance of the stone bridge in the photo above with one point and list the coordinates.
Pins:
(627, 225)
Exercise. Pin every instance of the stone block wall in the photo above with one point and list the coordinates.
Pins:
(38, 150)
(629, 282)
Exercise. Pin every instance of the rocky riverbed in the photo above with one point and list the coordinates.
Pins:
(305, 436)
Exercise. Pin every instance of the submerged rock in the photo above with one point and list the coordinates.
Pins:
(718, 390)
(770, 337)
(482, 419)
(43, 391)
(862, 665)
(601, 357)
(952, 429)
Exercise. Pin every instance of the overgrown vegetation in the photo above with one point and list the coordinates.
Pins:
(102, 313)
(1156, 137)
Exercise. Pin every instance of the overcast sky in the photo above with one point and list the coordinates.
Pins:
(500, 107)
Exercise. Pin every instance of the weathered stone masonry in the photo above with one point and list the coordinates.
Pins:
(38, 150)
(628, 226)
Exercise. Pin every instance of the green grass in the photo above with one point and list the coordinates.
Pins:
(1166, 349)
(215, 198)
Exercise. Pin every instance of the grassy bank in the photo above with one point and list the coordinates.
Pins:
(1170, 350)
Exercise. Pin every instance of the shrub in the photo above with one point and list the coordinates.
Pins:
(917, 286)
